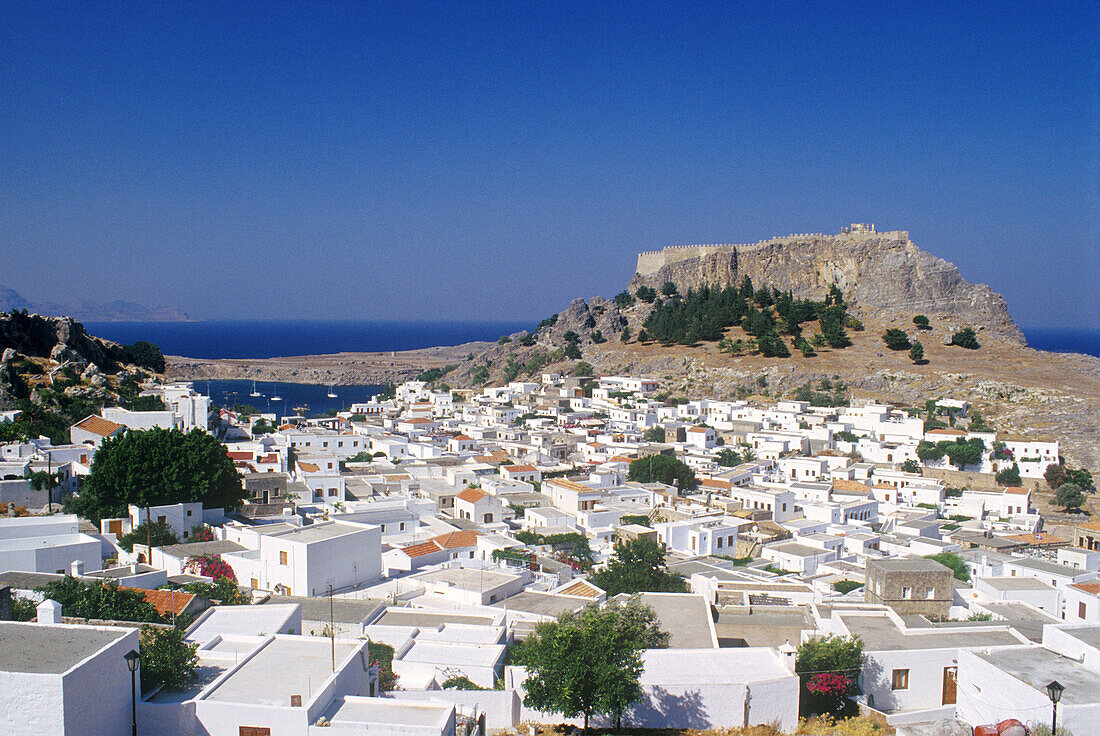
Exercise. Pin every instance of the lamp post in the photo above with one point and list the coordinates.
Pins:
(132, 660)
(1054, 692)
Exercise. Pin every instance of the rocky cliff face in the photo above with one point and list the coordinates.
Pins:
(877, 271)
(60, 339)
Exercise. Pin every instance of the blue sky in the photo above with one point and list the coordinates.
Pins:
(495, 160)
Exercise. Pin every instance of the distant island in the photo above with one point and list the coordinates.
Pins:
(85, 310)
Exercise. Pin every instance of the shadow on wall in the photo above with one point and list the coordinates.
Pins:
(875, 680)
(661, 709)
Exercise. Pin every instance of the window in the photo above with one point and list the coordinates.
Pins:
(1081, 609)
(282, 558)
(906, 592)
(188, 512)
(900, 680)
(719, 543)
(401, 527)
(930, 594)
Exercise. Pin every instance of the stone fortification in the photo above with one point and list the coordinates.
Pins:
(877, 271)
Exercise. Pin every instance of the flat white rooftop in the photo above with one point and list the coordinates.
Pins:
(667, 667)
(288, 665)
(40, 649)
(241, 621)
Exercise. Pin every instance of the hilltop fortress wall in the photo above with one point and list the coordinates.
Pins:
(652, 261)
(877, 271)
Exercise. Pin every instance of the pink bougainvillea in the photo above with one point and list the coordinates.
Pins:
(829, 683)
(210, 566)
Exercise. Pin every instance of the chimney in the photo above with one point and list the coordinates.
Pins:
(49, 612)
(787, 654)
(77, 568)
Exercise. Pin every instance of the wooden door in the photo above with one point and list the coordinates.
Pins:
(115, 527)
(950, 684)
(254, 731)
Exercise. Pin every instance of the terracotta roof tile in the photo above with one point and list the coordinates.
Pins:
(472, 495)
(163, 600)
(1017, 490)
(99, 425)
(1093, 588)
(451, 540)
(421, 548)
(521, 468)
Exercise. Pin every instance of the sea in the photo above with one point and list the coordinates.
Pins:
(273, 339)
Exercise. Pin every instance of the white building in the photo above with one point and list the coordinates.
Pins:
(47, 544)
(65, 679)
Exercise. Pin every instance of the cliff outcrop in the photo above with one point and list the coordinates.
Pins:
(877, 272)
(31, 342)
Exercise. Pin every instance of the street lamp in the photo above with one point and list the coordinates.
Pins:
(1054, 692)
(132, 660)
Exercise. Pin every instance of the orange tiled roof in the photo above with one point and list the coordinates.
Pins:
(1093, 588)
(308, 467)
(521, 468)
(421, 548)
(715, 483)
(164, 600)
(1039, 538)
(472, 495)
(99, 425)
(952, 432)
(850, 485)
(1017, 490)
(240, 455)
(464, 538)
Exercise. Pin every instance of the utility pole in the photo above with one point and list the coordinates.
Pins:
(331, 627)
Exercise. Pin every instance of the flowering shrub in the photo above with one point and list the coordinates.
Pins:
(210, 566)
(202, 533)
(829, 683)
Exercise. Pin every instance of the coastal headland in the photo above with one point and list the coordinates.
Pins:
(339, 369)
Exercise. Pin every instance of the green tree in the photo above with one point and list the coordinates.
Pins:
(1009, 476)
(624, 336)
(586, 663)
(526, 339)
(669, 289)
(638, 566)
(1055, 476)
(582, 369)
(922, 322)
(1069, 495)
(838, 655)
(966, 338)
(623, 299)
(1081, 477)
(571, 336)
(655, 433)
(101, 600)
(145, 355)
(916, 352)
(911, 466)
(896, 339)
(166, 658)
(727, 458)
(154, 534)
(954, 562)
(159, 466)
(772, 346)
(647, 294)
(663, 469)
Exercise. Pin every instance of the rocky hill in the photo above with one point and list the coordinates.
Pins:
(33, 346)
(876, 271)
